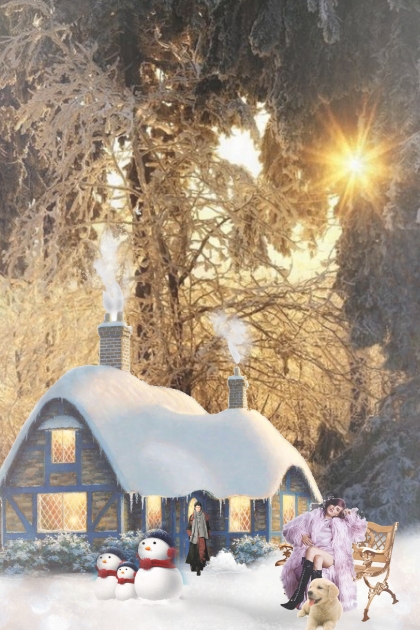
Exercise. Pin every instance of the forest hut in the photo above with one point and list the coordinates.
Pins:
(103, 452)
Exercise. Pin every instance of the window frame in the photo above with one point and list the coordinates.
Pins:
(74, 438)
(243, 499)
(61, 529)
(156, 498)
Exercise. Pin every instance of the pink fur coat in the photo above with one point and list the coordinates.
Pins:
(344, 533)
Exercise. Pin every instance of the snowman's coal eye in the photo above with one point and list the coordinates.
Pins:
(154, 542)
(142, 543)
(109, 557)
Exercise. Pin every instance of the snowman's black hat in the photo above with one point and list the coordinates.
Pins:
(130, 564)
(115, 551)
(159, 533)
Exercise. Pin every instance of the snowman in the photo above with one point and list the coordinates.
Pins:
(107, 564)
(126, 573)
(157, 577)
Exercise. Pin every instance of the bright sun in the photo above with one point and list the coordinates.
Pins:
(356, 164)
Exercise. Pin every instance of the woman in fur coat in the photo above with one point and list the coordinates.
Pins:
(322, 547)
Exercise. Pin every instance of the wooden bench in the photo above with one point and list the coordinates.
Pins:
(372, 559)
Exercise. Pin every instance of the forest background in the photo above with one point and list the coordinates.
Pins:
(111, 117)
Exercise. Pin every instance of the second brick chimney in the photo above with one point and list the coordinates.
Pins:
(237, 390)
(114, 344)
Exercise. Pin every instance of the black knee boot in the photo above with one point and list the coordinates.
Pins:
(316, 573)
(299, 593)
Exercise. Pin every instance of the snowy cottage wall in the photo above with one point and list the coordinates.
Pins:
(33, 474)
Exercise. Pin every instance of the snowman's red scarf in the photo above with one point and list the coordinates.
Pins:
(104, 573)
(125, 580)
(149, 563)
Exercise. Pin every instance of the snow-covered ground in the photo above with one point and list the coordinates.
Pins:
(226, 596)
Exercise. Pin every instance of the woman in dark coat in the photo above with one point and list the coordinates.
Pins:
(199, 532)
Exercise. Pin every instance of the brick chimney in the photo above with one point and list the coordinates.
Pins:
(114, 344)
(237, 390)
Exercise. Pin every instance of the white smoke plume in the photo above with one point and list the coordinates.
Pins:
(234, 331)
(107, 268)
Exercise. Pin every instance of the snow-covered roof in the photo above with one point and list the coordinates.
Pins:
(160, 441)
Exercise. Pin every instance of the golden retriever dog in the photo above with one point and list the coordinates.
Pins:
(322, 605)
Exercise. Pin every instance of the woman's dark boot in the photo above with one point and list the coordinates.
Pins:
(316, 573)
(299, 593)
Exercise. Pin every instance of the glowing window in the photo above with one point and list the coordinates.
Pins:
(275, 513)
(191, 504)
(154, 512)
(302, 505)
(62, 512)
(63, 446)
(288, 508)
(239, 514)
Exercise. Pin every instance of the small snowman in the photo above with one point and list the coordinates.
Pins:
(157, 577)
(126, 573)
(107, 564)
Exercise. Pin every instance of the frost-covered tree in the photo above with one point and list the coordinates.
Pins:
(105, 99)
(110, 129)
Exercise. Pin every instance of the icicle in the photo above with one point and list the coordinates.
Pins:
(220, 507)
(131, 500)
(142, 502)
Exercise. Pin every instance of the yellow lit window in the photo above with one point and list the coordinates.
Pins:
(154, 512)
(63, 446)
(239, 514)
(302, 505)
(191, 504)
(275, 513)
(288, 508)
(62, 512)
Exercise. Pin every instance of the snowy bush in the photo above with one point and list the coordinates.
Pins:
(127, 542)
(63, 552)
(250, 548)
(22, 556)
(68, 552)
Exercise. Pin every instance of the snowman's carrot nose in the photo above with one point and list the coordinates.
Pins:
(147, 548)
(104, 561)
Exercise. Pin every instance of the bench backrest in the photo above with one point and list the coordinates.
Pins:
(378, 538)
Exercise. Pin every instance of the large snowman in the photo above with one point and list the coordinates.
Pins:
(107, 564)
(157, 577)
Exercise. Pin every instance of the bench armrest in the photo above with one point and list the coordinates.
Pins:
(286, 550)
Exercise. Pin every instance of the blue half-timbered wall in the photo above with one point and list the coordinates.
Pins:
(110, 511)
(268, 517)
(292, 499)
(33, 473)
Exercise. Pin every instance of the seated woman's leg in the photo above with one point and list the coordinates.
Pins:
(320, 557)
(304, 580)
